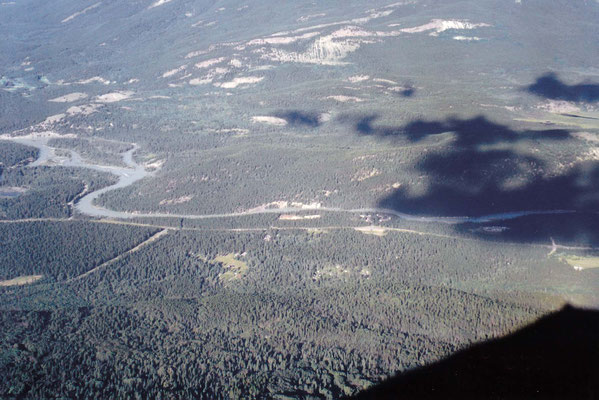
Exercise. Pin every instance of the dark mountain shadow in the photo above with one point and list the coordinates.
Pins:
(468, 183)
(569, 228)
(469, 132)
(480, 172)
(408, 92)
(556, 357)
(549, 86)
(299, 118)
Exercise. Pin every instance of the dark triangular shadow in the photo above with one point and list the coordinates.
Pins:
(551, 87)
(556, 357)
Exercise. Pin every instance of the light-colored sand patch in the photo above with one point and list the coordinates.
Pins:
(39, 135)
(21, 280)
(132, 80)
(209, 63)
(264, 119)
(78, 13)
(385, 81)
(330, 49)
(281, 39)
(174, 71)
(325, 51)
(235, 63)
(209, 77)
(86, 109)
(467, 38)
(293, 217)
(372, 230)
(198, 81)
(358, 78)
(309, 17)
(159, 96)
(266, 67)
(324, 117)
(400, 3)
(98, 79)
(240, 81)
(362, 175)
(398, 89)
(592, 154)
(178, 200)
(154, 165)
(52, 119)
(355, 31)
(219, 71)
(114, 96)
(69, 98)
(439, 25)
(198, 53)
(559, 107)
(159, 3)
(283, 205)
(345, 99)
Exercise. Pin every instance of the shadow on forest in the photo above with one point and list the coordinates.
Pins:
(550, 87)
(556, 357)
(408, 92)
(299, 118)
(481, 171)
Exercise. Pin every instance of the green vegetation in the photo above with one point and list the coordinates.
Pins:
(360, 113)
(50, 190)
(12, 154)
(309, 318)
(234, 268)
(62, 250)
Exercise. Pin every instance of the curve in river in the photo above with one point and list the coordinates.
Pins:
(135, 172)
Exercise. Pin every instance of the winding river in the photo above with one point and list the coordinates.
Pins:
(134, 172)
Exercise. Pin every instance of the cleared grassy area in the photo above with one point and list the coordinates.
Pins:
(21, 280)
(234, 268)
(372, 230)
(580, 263)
